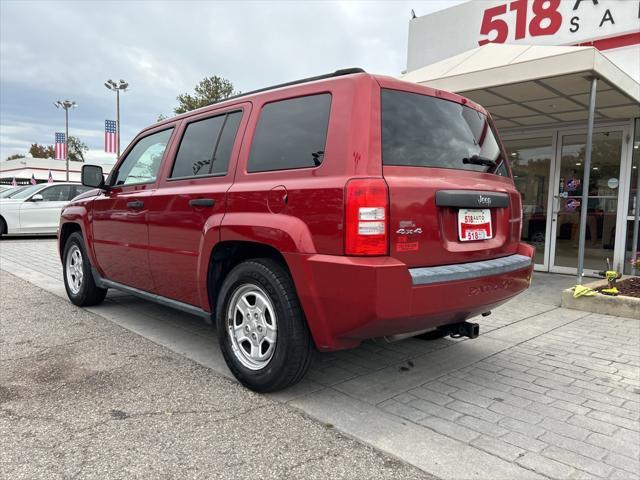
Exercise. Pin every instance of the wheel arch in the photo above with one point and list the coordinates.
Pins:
(4, 228)
(227, 254)
(66, 230)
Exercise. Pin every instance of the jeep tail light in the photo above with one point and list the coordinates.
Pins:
(367, 215)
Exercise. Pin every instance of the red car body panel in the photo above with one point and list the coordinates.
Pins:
(166, 248)
(349, 299)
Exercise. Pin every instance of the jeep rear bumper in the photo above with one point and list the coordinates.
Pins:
(349, 299)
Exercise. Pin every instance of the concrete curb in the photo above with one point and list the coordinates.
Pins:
(620, 306)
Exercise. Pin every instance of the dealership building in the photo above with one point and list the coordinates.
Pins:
(539, 67)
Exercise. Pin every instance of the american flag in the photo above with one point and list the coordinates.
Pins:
(61, 147)
(33, 179)
(110, 136)
(14, 183)
(50, 179)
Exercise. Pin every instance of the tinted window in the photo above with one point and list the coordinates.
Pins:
(198, 155)
(143, 161)
(225, 145)
(58, 193)
(423, 131)
(197, 147)
(291, 134)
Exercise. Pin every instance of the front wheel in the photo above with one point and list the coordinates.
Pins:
(261, 328)
(78, 279)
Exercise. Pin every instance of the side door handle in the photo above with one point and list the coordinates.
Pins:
(136, 204)
(202, 202)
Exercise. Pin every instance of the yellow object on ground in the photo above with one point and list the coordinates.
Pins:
(610, 291)
(582, 291)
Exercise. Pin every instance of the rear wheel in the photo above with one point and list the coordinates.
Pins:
(78, 279)
(261, 327)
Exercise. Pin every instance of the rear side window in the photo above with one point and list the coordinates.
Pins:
(423, 131)
(206, 146)
(291, 134)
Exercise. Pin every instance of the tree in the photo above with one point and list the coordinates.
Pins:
(77, 149)
(42, 151)
(161, 117)
(15, 156)
(208, 91)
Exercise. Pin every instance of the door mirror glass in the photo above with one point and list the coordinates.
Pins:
(37, 198)
(92, 176)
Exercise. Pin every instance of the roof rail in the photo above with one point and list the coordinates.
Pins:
(337, 73)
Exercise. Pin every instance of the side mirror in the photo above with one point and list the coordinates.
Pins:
(92, 176)
(37, 198)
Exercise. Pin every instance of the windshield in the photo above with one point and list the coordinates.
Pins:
(423, 131)
(26, 192)
(10, 192)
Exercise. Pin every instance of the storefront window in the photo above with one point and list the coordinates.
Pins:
(633, 254)
(530, 161)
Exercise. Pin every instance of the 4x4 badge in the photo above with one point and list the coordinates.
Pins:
(409, 231)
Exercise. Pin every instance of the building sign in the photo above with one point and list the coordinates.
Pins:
(531, 22)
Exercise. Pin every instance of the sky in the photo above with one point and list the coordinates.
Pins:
(56, 50)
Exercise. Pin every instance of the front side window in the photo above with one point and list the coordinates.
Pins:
(57, 193)
(291, 134)
(423, 131)
(206, 146)
(143, 161)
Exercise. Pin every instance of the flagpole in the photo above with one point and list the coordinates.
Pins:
(117, 87)
(118, 121)
(66, 105)
(66, 139)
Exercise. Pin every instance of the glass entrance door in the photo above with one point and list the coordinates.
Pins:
(602, 205)
(531, 161)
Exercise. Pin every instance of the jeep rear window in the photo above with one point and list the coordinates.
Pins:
(423, 131)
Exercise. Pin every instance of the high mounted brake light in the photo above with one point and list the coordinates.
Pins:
(367, 216)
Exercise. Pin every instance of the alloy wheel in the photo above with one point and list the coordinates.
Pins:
(252, 326)
(74, 271)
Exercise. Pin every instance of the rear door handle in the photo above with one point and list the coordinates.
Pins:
(137, 204)
(202, 202)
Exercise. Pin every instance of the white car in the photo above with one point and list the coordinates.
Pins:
(36, 209)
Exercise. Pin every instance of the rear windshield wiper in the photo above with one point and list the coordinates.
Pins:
(478, 160)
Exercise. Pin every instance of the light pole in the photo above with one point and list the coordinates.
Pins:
(117, 87)
(66, 105)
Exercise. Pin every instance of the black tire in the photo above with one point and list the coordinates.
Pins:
(293, 348)
(88, 293)
(3, 227)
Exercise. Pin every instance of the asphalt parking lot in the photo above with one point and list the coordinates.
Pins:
(82, 397)
(544, 392)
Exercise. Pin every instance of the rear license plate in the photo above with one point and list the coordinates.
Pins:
(474, 224)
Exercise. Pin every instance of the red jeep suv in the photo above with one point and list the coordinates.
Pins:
(309, 215)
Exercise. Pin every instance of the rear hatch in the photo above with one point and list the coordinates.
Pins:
(451, 196)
